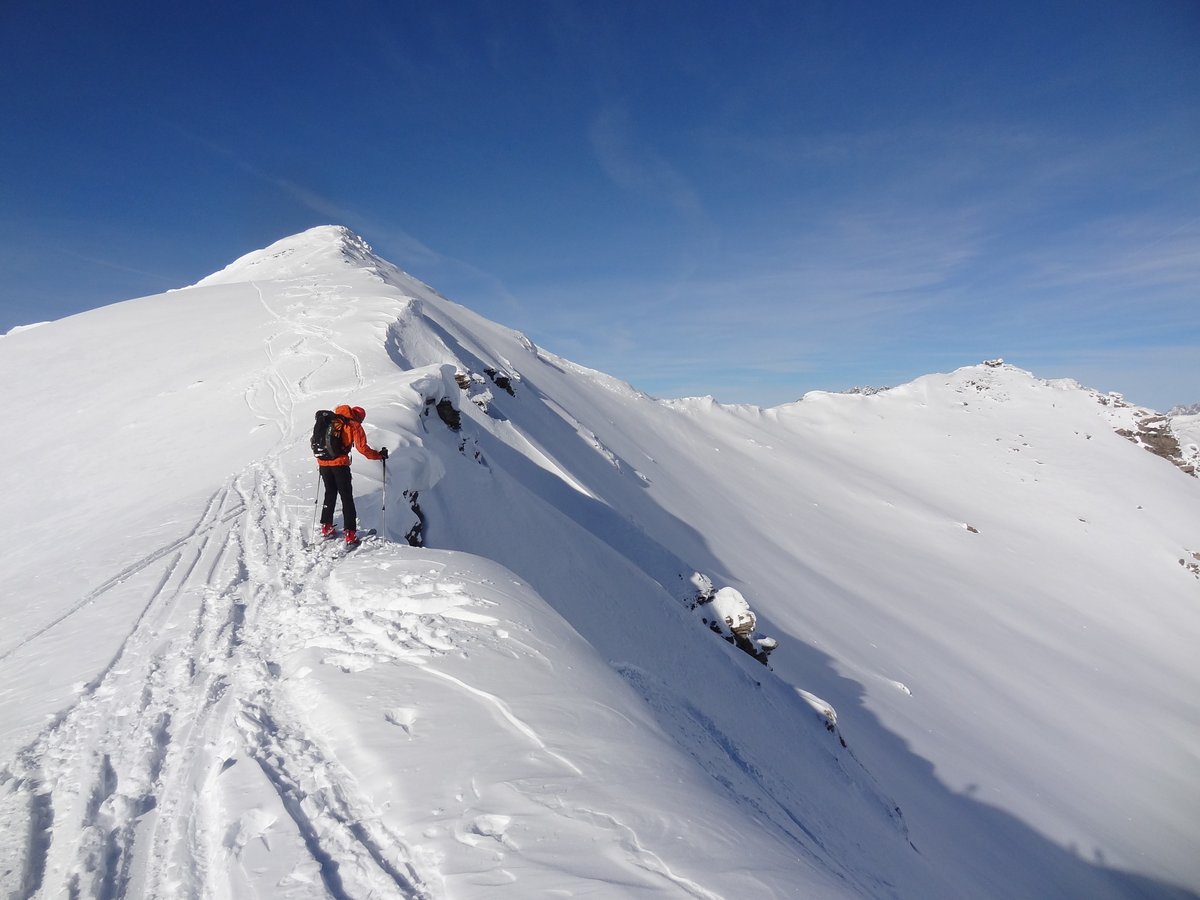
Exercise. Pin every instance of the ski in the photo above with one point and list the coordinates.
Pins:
(336, 539)
(363, 537)
(325, 540)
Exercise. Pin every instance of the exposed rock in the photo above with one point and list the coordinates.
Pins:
(726, 612)
(1154, 433)
(477, 389)
(1113, 399)
(416, 534)
(448, 414)
(501, 380)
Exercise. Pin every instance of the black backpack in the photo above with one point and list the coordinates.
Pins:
(329, 439)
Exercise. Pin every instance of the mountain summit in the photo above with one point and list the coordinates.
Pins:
(932, 642)
(318, 251)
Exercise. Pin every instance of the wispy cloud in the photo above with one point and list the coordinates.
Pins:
(879, 290)
(392, 242)
(633, 165)
(118, 267)
(938, 248)
(1123, 252)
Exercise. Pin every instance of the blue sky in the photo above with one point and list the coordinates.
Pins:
(749, 199)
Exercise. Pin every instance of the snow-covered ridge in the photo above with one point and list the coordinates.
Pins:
(17, 329)
(1169, 436)
(320, 250)
(969, 582)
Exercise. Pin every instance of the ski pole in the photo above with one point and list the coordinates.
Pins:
(316, 501)
(383, 509)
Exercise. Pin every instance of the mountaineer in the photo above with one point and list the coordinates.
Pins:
(335, 434)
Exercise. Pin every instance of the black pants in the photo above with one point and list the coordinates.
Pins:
(337, 484)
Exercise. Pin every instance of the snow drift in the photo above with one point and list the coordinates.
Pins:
(984, 599)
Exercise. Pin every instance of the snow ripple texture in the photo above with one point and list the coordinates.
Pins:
(215, 757)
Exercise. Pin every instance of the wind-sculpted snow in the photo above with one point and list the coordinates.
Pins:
(983, 685)
(288, 721)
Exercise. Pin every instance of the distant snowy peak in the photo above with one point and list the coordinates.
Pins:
(1175, 440)
(333, 251)
(317, 251)
(991, 383)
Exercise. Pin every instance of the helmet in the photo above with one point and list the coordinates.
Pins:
(358, 412)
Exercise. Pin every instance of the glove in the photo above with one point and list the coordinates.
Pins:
(383, 454)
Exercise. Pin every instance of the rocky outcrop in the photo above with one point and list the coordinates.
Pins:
(1153, 432)
(477, 387)
(448, 414)
(726, 612)
(501, 380)
(416, 534)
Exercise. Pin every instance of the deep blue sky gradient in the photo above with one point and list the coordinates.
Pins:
(748, 199)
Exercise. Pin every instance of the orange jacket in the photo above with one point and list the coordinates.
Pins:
(355, 435)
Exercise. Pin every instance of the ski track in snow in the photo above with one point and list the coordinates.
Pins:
(127, 764)
(98, 768)
(120, 796)
(128, 793)
(201, 530)
(309, 348)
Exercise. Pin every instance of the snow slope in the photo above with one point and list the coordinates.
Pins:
(1186, 429)
(984, 685)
